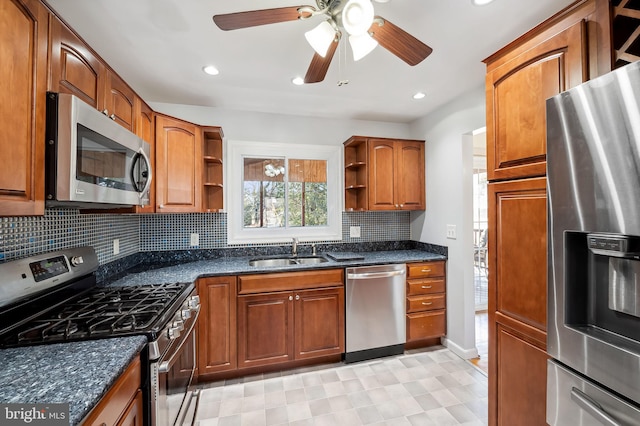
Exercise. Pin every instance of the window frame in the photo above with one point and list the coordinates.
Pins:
(234, 161)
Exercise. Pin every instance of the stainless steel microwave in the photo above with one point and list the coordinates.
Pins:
(91, 161)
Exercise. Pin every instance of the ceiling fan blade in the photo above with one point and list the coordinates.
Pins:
(319, 65)
(254, 18)
(399, 42)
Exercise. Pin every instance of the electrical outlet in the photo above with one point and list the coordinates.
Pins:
(195, 240)
(354, 231)
(451, 232)
(116, 246)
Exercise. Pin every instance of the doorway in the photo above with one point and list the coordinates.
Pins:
(480, 254)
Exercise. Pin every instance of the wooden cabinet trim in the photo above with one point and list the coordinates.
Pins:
(116, 401)
(289, 281)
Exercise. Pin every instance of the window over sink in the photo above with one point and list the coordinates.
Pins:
(280, 191)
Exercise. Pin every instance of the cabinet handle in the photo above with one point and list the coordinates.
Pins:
(396, 206)
(290, 297)
(297, 297)
(427, 303)
(426, 287)
(161, 206)
(113, 117)
(401, 205)
(105, 111)
(426, 270)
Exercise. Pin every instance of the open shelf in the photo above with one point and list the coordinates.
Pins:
(212, 196)
(355, 174)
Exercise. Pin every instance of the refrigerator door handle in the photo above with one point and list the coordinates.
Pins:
(592, 407)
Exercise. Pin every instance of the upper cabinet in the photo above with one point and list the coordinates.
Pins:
(212, 195)
(145, 128)
(23, 80)
(77, 70)
(384, 174)
(556, 56)
(178, 160)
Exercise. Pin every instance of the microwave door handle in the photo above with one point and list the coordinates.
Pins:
(147, 184)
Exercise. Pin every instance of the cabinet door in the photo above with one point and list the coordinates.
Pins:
(409, 173)
(265, 329)
(120, 102)
(319, 318)
(217, 350)
(23, 82)
(517, 300)
(516, 100)
(521, 381)
(133, 415)
(178, 166)
(75, 68)
(381, 174)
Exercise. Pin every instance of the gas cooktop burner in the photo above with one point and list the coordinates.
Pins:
(101, 312)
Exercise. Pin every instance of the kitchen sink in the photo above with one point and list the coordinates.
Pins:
(287, 261)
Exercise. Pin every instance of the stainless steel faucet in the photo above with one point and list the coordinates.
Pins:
(294, 247)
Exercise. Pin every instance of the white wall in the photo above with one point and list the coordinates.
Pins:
(255, 126)
(449, 158)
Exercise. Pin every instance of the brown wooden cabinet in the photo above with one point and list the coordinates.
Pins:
(286, 317)
(384, 174)
(145, 128)
(120, 101)
(217, 349)
(23, 81)
(122, 404)
(560, 53)
(178, 160)
(212, 196)
(426, 303)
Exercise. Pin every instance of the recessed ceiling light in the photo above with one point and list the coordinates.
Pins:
(211, 70)
(481, 2)
(419, 95)
(298, 81)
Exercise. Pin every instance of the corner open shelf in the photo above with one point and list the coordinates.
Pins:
(212, 192)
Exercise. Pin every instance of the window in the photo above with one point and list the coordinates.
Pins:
(280, 191)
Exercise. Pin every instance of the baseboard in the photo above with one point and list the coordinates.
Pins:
(461, 352)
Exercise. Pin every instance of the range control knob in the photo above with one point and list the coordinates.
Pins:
(179, 324)
(77, 261)
(173, 333)
(194, 302)
(185, 314)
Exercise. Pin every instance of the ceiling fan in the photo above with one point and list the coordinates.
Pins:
(355, 17)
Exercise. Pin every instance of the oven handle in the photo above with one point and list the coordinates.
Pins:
(165, 366)
(589, 405)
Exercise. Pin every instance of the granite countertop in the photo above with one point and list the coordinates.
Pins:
(191, 271)
(79, 373)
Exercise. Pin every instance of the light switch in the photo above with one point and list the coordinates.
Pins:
(451, 232)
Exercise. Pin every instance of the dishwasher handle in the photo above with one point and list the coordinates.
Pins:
(369, 275)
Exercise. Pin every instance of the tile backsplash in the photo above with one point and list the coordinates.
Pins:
(64, 228)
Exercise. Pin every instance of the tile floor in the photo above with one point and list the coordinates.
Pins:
(423, 387)
(482, 341)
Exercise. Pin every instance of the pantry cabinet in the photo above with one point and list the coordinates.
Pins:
(384, 174)
(178, 160)
(23, 80)
(564, 51)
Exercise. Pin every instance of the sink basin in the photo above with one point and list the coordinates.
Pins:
(272, 262)
(287, 261)
(311, 260)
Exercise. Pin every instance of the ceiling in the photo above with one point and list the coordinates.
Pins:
(160, 47)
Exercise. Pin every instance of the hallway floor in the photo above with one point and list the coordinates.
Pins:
(482, 341)
(421, 387)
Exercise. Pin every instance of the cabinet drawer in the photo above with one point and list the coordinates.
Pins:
(289, 281)
(418, 287)
(425, 303)
(427, 269)
(424, 325)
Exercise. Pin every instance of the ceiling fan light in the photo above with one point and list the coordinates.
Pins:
(357, 16)
(321, 37)
(362, 45)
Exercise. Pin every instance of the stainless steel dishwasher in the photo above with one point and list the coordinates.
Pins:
(375, 311)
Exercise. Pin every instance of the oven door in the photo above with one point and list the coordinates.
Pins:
(173, 396)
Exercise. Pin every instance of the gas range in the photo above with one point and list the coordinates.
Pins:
(54, 298)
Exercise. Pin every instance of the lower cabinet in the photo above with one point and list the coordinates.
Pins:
(268, 319)
(217, 325)
(288, 326)
(122, 405)
(426, 303)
